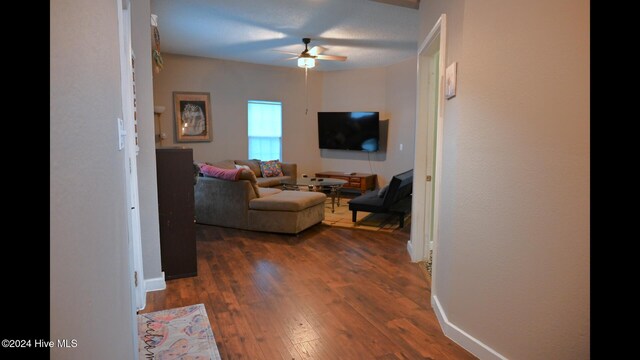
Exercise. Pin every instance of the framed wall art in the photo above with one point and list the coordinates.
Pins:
(450, 81)
(192, 111)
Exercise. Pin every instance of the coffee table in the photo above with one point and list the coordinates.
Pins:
(318, 184)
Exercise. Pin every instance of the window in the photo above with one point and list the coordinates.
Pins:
(265, 130)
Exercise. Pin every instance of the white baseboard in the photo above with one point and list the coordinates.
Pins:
(460, 337)
(410, 250)
(155, 284)
(414, 257)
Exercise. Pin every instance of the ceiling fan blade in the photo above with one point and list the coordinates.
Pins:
(331, 57)
(316, 50)
(292, 58)
(286, 52)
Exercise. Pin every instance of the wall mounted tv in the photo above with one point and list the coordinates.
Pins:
(349, 130)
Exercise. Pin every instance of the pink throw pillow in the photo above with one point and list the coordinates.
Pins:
(224, 174)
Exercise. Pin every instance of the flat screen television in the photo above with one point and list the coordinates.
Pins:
(349, 130)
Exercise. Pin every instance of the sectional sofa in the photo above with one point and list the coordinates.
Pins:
(241, 204)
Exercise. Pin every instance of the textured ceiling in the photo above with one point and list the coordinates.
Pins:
(369, 33)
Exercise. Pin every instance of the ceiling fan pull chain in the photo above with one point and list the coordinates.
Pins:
(306, 91)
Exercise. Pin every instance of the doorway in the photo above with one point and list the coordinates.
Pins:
(427, 163)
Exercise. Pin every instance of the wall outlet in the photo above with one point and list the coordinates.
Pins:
(401, 146)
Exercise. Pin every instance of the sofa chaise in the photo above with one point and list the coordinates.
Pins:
(239, 204)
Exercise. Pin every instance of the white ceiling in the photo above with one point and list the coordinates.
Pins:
(370, 34)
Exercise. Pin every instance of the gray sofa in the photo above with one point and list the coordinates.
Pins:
(289, 169)
(235, 204)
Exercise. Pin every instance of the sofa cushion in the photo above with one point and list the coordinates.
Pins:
(224, 164)
(272, 181)
(383, 191)
(266, 191)
(253, 164)
(403, 187)
(287, 222)
(288, 201)
(249, 175)
(271, 168)
(224, 174)
(369, 201)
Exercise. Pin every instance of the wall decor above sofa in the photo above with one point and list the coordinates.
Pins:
(192, 112)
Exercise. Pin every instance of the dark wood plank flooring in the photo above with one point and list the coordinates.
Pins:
(328, 293)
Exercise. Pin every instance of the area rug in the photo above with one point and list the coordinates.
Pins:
(364, 220)
(182, 333)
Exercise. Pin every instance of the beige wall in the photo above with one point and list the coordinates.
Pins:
(354, 90)
(389, 90)
(147, 182)
(231, 84)
(401, 111)
(512, 267)
(90, 298)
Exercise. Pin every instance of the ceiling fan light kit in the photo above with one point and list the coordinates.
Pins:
(307, 58)
(306, 62)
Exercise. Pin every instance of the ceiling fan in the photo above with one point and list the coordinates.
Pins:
(308, 57)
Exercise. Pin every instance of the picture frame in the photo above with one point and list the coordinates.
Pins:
(450, 83)
(192, 112)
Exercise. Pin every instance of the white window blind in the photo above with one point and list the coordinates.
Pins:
(265, 130)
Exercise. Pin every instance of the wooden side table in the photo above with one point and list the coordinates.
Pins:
(356, 181)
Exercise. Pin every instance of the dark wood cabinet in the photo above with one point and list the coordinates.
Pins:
(176, 209)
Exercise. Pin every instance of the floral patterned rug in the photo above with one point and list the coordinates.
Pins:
(181, 333)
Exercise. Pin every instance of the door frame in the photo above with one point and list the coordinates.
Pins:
(421, 224)
(134, 241)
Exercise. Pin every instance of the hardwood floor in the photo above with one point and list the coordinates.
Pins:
(328, 293)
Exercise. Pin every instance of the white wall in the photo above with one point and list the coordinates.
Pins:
(231, 84)
(90, 298)
(147, 182)
(512, 266)
(389, 90)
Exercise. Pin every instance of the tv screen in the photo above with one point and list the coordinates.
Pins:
(349, 130)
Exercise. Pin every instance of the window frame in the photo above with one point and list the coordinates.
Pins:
(264, 102)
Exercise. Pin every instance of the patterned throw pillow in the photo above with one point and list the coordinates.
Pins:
(271, 168)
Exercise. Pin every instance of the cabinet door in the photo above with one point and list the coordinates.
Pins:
(176, 210)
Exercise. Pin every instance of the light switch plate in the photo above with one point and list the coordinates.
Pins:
(122, 134)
